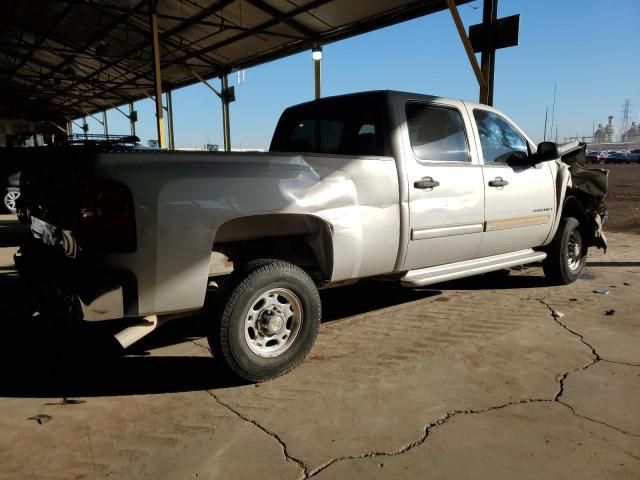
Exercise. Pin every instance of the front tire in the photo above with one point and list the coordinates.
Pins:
(567, 253)
(269, 321)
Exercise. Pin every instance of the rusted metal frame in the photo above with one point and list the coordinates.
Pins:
(164, 37)
(466, 43)
(43, 37)
(48, 73)
(287, 20)
(241, 36)
(258, 29)
(103, 32)
(226, 25)
(138, 74)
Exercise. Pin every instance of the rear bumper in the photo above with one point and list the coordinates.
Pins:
(76, 288)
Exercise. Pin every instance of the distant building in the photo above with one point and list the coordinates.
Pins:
(632, 135)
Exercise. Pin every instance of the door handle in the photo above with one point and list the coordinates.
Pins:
(498, 182)
(426, 182)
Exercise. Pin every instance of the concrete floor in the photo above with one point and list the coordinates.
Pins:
(492, 377)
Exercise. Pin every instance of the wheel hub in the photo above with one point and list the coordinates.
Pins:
(574, 251)
(271, 322)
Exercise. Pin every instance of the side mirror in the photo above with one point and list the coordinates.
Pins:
(547, 151)
(520, 159)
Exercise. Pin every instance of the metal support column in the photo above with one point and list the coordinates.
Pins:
(488, 57)
(157, 76)
(318, 68)
(132, 119)
(226, 127)
(69, 128)
(172, 145)
(316, 55)
(85, 127)
(105, 125)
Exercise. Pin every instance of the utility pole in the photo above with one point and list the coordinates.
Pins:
(553, 108)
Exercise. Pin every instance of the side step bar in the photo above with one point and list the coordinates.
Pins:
(443, 273)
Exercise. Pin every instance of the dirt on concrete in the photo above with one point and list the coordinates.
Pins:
(624, 198)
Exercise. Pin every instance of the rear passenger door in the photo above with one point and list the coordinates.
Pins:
(519, 200)
(446, 194)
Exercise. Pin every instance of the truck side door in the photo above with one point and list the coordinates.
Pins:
(519, 200)
(446, 195)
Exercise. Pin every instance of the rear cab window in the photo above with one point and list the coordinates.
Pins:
(437, 133)
(354, 125)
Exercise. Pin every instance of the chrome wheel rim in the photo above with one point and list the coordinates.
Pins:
(574, 250)
(10, 200)
(273, 322)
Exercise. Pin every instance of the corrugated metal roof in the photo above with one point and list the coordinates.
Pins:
(70, 57)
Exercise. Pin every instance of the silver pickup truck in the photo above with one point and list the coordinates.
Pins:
(400, 186)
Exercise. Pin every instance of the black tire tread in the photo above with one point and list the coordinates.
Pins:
(555, 266)
(239, 281)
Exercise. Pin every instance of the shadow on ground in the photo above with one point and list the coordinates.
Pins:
(11, 232)
(40, 357)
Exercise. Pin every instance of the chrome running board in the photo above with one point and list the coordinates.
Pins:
(452, 271)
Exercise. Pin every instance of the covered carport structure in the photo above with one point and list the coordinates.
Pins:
(65, 59)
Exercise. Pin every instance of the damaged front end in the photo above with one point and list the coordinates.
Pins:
(586, 193)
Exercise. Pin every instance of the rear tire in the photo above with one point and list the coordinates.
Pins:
(9, 200)
(270, 316)
(567, 253)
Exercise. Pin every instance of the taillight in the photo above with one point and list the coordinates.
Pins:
(107, 221)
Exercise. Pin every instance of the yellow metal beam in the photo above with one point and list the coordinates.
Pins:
(157, 79)
(467, 44)
(211, 87)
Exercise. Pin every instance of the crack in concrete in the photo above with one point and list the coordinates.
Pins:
(595, 357)
(287, 456)
(573, 410)
(628, 364)
(445, 418)
(426, 431)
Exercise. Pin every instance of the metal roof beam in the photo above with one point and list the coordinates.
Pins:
(283, 18)
(259, 28)
(43, 37)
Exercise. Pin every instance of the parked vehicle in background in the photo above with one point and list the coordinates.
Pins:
(616, 157)
(594, 157)
(633, 156)
(11, 192)
(402, 187)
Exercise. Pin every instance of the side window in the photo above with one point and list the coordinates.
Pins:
(498, 138)
(437, 133)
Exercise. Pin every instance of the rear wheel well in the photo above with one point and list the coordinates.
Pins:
(303, 240)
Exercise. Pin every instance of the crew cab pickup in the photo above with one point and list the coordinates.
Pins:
(383, 184)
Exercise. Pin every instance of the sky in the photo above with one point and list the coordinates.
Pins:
(590, 49)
